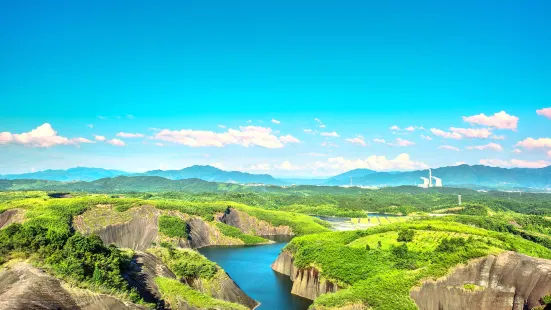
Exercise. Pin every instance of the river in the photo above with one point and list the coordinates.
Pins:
(250, 268)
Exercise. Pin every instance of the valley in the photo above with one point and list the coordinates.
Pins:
(303, 248)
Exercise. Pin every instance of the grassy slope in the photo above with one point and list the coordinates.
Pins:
(57, 213)
(382, 277)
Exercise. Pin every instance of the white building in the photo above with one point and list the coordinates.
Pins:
(427, 182)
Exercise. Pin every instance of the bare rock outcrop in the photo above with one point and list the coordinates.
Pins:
(509, 281)
(307, 282)
(11, 216)
(138, 228)
(223, 287)
(144, 268)
(251, 225)
(24, 287)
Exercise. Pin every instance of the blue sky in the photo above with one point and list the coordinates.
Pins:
(97, 69)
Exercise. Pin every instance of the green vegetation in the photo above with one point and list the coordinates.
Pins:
(177, 293)
(174, 227)
(376, 269)
(233, 232)
(187, 264)
(81, 260)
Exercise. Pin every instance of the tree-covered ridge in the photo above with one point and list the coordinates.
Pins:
(380, 265)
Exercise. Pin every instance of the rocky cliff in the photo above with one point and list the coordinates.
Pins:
(251, 225)
(24, 287)
(509, 281)
(138, 228)
(307, 282)
(223, 287)
(144, 268)
(11, 216)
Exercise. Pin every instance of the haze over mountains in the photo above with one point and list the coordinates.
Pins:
(463, 175)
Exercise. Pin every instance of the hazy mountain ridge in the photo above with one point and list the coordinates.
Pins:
(459, 175)
(463, 175)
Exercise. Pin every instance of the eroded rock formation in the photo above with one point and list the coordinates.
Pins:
(24, 287)
(138, 229)
(251, 225)
(307, 282)
(11, 216)
(223, 287)
(509, 281)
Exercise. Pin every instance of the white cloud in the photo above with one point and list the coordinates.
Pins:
(219, 166)
(260, 167)
(380, 141)
(289, 139)
(42, 136)
(496, 137)
(102, 117)
(518, 163)
(330, 134)
(116, 142)
(320, 123)
(544, 112)
(379, 163)
(287, 166)
(359, 140)
(159, 144)
(500, 120)
(328, 144)
(245, 136)
(99, 138)
(221, 126)
(489, 146)
(310, 131)
(518, 151)
(446, 135)
(275, 121)
(394, 128)
(129, 135)
(531, 143)
(459, 163)
(249, 121)
(549, 153)
(90, 125)
(426, 138)
(410, 129)
(81, 140)
(403, 143)
(479, 133)
(495, 163)
(460, 133)
(449, 147)
(129, 116)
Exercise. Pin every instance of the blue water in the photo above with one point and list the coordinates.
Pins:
(249, 267)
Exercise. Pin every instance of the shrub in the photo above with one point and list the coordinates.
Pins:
(405, 235)
(174, 227)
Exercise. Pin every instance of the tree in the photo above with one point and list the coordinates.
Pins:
(406, 235)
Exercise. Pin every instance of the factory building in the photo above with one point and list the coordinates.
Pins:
(427, 182)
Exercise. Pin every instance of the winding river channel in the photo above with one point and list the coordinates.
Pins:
(250, 268)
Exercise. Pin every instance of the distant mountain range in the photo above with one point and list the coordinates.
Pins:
(206, 173)
(463, 175)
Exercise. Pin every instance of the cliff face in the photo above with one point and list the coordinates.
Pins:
(223, 287)
(138, 228)
(509, 281)
(145, 267)
(11, 216)
(202, 234)
(251, 225)
(23, 287)
(306, 282)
